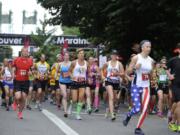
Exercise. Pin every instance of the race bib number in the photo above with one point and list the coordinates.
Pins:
(90, 81)
(81, 79)
(145, 77)
(163, 77)
(65, 75)
(23, 72)
(114, 81)
(42, 76)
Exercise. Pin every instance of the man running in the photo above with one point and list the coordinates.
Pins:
(42, 68)
(21, 68)
(173, 72)
(143, 65)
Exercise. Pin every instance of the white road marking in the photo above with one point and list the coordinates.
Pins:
(58, 122)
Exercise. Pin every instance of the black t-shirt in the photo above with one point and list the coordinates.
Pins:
(174, 65)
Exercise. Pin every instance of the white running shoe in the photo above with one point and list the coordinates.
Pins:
(69, 112)
(78, 117)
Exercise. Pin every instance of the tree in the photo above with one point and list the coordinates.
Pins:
(121, 23)
(44, 41)
(5, 52)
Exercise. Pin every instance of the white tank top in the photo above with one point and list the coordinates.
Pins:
(110, 70)
(80, 71)
(143, 74)
(7, 75)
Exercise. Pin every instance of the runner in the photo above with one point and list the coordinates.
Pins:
(173, 72)
(93, 84)
(21, 69)
(3, 102)
(78, 70)
(7, 81)
(64, 80)
(57, 88)
(153, 92)
(31, 85)
(115, 71)
(143, 64)
(42, 68)
(163, 87)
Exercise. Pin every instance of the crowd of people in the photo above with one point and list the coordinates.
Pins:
(148, 86)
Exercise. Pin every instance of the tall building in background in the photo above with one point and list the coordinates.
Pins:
(23, 17)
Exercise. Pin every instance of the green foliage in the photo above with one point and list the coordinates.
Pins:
(70, 30)
(5, 52)
(43, 41)
(50, 52)
(121, 23)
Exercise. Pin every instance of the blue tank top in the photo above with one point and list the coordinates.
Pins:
(64, 69)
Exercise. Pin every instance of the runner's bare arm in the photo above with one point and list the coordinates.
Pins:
(72, 68)
(171, 76)
(132, 65)
(121, 69)
(103, 70)
(57, 70)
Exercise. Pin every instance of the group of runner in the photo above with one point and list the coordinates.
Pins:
(78, 82)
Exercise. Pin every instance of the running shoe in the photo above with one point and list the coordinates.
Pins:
(36, 106)
(178, 129)
(89, 111)
(39, 107)
(160, 114)
(126, 121)
(138, 131)
(7, 108)
(20, 116)
(28, 107)
(59, 107)
(70, 109)
(78, 117)
(113, 117)
(169, 116)
(173, 127)
(14, 106)
(96, 110)
(65, 115)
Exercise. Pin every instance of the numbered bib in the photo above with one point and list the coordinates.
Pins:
(23, 72)
(145, 77)
(81, 79)
(163, 77)
(65, 74)
(90, 81)
(114, 81)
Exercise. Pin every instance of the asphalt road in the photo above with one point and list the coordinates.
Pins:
(51, 122)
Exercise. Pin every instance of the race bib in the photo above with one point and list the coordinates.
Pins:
(65, 74)
(114, 81)
(81, 79)
(163, 77)
(145, 77)
(90, 81)
(42, 76)
(23, 72)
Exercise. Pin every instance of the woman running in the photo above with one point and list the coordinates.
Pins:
(78, 72)
(64, 80)
(93, 84)
(8, 81)
(143, 65)
(115, 71)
